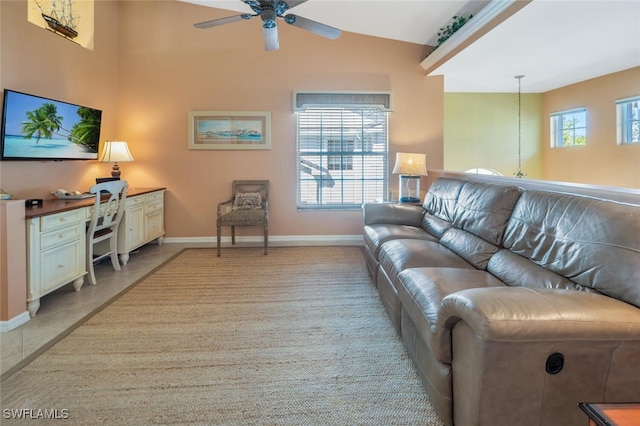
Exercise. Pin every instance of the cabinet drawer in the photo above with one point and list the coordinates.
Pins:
(153, 207)
(61, 236)
(155, 226)
(135, 201)
(155, 196)
(61, 220)
(61, 265)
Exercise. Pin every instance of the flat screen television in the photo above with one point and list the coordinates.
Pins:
(37, 128)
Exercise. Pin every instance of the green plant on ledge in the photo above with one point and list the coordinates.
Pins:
(449, 30)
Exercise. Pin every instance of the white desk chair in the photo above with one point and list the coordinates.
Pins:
(108, 210)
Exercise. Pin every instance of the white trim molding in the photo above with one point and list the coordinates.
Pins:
(14, 322)
(277, 241)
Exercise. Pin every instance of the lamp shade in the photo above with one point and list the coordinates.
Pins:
(410, 164)
(116, 151)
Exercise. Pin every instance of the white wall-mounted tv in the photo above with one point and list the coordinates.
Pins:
(37, 128)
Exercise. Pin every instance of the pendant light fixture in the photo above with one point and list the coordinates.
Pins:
(519, 173)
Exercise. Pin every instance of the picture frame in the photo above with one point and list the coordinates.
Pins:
(230, 130)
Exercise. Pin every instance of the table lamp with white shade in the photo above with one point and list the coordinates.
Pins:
(410, 167)
(115, 152)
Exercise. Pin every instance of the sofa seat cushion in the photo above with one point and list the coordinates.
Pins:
(421, 291)
(518, 271)
(397, 255)
(376, 235)
(473, 249)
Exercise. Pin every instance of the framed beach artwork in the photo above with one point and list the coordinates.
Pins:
(231, 130)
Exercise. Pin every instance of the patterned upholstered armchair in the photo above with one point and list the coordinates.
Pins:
(248, 206)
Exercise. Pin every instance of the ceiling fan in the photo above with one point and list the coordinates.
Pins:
(269, 11)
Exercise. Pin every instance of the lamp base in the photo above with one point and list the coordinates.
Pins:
(411, 200)
(409, 189)
(115, 171)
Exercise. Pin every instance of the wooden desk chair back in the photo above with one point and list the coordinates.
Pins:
(102, 233)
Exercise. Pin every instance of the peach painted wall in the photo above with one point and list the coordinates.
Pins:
(37, 61)
(150, 66)
(13, 260)
(601, 161)
(168, 67)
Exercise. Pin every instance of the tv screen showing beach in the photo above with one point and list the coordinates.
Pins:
(35, 128)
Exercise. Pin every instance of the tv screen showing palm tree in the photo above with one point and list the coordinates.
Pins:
(37, 128)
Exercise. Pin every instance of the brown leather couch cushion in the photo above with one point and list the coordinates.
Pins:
(595, 243)
(421, 291)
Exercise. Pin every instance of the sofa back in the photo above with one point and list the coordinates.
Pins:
(439, 205)
(480, 216)
(558, 240)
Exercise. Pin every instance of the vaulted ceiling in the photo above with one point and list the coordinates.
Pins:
(553, 43)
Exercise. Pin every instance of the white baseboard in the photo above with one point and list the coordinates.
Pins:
(277, 241)
(14, 322)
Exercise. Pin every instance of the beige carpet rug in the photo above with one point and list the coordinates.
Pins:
(297, 337)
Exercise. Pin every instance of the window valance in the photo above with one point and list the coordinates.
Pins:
(303, 100)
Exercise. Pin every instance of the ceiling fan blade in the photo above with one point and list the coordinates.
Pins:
(313, 26)
(270, 38)
(292, 3)
(222, 21)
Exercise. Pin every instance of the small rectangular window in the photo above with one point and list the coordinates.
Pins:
(628, 119)
(569, 128)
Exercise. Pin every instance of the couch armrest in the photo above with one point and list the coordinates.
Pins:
(524, 314)
(392, 214)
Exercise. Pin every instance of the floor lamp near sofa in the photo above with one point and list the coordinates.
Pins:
(410, 167)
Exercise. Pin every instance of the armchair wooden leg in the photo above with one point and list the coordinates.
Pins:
(266, 240)
(233, 235)
(219, 234)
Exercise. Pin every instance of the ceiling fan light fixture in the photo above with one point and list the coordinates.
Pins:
(270, 37)
(269, 11)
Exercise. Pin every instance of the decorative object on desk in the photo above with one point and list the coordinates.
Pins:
(235, 130)
(63, 194)
(410, 167)
(4, 195)
(519, 173)
(33, 202)
(114, 152)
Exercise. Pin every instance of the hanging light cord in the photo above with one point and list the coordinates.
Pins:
(519, 173)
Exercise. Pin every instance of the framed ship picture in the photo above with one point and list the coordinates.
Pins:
(231, 130)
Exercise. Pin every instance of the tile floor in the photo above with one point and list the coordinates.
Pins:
(63, 309)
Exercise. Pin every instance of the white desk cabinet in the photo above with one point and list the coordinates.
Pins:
(142, 223)
(56, 247)
(56, 239)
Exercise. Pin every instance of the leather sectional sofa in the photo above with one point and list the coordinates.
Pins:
(515, 304)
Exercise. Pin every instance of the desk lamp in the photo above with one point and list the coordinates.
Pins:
(113, 152)
(410, 167)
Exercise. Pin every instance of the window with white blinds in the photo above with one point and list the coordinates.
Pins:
(342, 156)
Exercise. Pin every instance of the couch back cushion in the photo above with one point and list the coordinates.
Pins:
(484, 209)
(439, 205)
(479, 220)
(594, 243)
